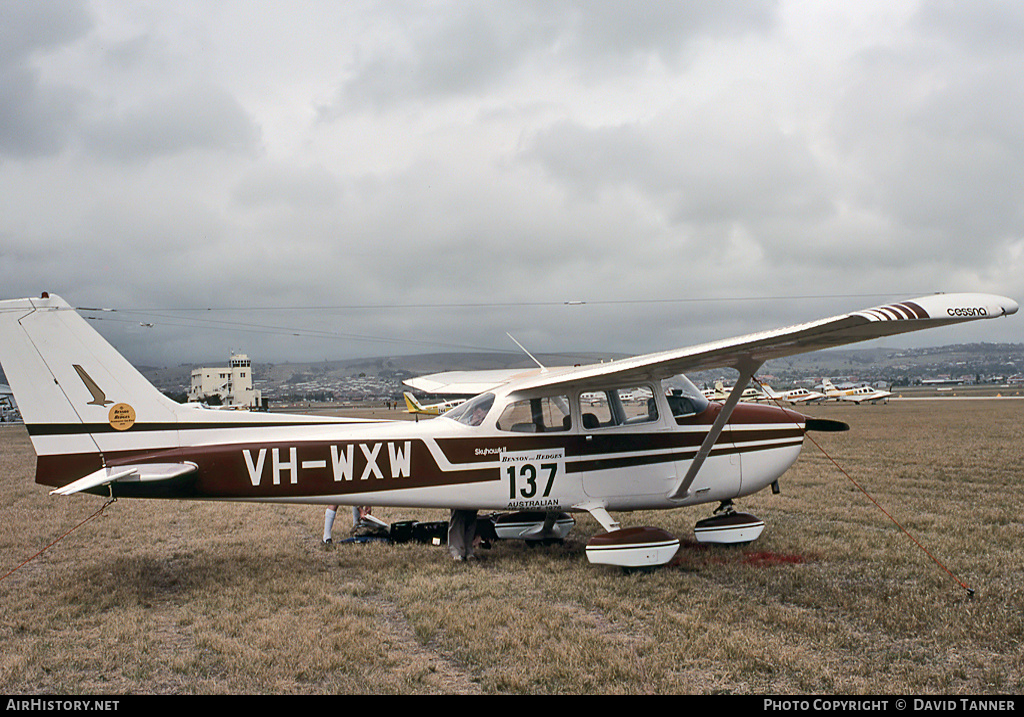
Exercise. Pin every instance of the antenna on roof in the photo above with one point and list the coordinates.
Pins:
(543, 368)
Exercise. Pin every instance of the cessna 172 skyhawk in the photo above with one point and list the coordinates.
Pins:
(526, 444)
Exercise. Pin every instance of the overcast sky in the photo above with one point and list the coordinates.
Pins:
(436, 174)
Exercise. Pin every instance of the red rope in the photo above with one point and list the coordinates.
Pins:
(58, 539)
(970, 590)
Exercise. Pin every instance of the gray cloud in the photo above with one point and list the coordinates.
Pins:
(32, 27)
(985, 27)
(36, 115)
(698, 171)
(35, 118)
(936, 143)
(459, 49)
(197, 118)
(467, 167)
(607, 32)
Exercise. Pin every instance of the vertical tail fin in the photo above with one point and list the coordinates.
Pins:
(411, 404)
(63, 372)
(77, 395)
(92, 417)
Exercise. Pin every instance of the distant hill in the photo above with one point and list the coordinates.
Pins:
(902, 366)
(282, 379)
(888, 365)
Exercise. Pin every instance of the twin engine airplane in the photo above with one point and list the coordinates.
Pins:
(794, 395)
(721, 392)
(525, 443)
(856, 395)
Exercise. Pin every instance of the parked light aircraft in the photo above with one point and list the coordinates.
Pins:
(431, 409)
(525, 444)
(856, 395)
(794, 395)
(721, 392)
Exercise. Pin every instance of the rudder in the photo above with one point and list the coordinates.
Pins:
(77, 395)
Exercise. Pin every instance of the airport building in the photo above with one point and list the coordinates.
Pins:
(229, 386)
(8, 408)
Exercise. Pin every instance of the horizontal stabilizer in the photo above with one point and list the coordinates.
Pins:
(142, 472)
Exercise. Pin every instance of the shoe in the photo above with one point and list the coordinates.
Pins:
(458, 558)
(327, 542)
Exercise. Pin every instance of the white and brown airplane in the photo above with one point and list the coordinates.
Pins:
(721, 392)
(524, 444)
(793, 395)
(859, 394)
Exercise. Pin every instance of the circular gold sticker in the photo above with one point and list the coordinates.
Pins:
(121, 416)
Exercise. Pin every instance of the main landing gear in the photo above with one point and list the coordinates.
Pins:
(646, 547)
(728, 527)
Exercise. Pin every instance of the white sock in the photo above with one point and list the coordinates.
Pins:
(328, 523)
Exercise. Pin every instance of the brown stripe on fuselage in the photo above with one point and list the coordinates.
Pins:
(310, 468)
(61, 469)
(62, 429)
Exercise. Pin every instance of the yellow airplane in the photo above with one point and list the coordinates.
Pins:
(431, 409)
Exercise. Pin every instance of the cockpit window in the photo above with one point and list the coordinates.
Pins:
(543, 414)
(618, 407)
(473, 411)
(683, 397)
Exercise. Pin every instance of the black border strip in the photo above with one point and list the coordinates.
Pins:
(57, 429)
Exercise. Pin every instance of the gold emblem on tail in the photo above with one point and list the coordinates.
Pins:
(98, 397)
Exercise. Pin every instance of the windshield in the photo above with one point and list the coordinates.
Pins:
(473, 411)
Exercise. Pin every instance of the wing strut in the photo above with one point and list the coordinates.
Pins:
(747, 370)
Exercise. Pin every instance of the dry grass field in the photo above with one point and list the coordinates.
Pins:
(161, 597)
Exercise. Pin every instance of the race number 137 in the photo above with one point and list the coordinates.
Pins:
(531, 474)
(528, 478)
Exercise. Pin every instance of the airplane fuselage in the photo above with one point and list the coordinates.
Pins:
(441, 463)
(632, 434)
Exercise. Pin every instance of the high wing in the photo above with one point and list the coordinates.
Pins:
(745, 352)
(468, 383)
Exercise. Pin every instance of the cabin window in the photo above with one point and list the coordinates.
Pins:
(545, 414)
(618, 407)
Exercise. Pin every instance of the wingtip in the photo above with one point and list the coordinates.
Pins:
(962, 306)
